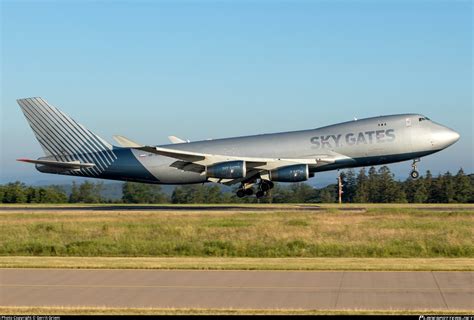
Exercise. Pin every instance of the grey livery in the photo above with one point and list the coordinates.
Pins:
(253, 162)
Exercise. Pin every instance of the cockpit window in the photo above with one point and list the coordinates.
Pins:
(423, 119)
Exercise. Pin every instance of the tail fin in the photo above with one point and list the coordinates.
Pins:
(62, 138)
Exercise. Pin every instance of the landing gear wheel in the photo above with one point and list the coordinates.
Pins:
(260, 194)
(414, 174)
(240, 193)
(264, 186)
(248, 191)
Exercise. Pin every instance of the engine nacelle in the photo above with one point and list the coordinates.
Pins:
(227, 170)
(294, 173)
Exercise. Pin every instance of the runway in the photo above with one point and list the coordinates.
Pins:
(238, 289)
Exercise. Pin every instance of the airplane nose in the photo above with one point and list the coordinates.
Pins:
(452, 136)
(449, 136)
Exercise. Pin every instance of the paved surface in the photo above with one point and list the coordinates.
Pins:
(237, 289)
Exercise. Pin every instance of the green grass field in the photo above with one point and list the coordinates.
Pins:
(330, 237)
(365, 231)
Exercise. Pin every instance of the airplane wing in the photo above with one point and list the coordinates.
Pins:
(72, 165)
(206, 159)
(127, 143)
(197, 161)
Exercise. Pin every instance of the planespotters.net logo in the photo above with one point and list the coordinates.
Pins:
(32, 317)
(445, 317)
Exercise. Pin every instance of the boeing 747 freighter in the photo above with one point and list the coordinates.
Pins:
(252, 162)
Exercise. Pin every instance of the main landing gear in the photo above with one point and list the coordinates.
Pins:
(242, 192)
(414, 173)
(262, 188)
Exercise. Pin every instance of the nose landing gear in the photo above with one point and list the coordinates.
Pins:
(414, 173)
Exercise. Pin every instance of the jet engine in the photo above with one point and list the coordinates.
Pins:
(227, 170)
(294, 173)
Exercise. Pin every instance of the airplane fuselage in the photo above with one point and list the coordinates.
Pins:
(365, 142)
(72, 149)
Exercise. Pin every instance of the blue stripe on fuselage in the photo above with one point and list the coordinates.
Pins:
(126, 167)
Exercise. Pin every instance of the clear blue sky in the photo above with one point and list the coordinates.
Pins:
(209, 69)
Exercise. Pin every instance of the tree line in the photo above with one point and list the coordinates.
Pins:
(372, 186)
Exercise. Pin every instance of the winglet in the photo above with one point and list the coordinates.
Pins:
(127, 143)
(175, 139)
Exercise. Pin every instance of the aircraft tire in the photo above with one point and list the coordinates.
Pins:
(240, 193)
(414, 174)
(248, 192)
(264, 186)
(260, 194)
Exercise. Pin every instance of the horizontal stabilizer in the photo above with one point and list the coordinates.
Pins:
(58, 164)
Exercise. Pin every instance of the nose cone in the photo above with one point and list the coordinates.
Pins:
(450, 136)
(446, 137)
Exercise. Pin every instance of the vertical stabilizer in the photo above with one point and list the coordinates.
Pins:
(64, 139)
